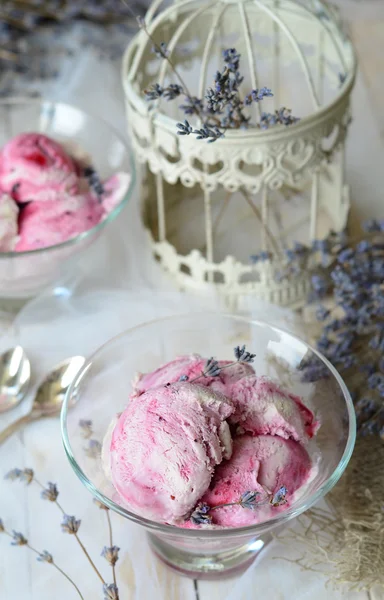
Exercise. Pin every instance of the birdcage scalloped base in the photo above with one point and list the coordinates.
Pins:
(230, 279)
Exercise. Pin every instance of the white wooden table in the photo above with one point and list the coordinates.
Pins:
(140, 578)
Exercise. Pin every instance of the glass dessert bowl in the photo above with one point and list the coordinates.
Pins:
(26, 273)
(101, 390)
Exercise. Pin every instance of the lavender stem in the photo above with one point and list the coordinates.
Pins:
(111, 543)
(76, 536)
(52, 563)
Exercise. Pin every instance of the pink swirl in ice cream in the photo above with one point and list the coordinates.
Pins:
(58, 196)
(165, 446)
(262, 464)
(262, 407)
(49, 223)
(34, 167)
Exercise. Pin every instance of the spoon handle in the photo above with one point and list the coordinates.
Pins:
(13, 427)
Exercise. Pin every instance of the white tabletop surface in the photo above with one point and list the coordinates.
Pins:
(39, 446)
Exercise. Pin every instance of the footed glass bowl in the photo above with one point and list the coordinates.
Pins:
(101, 390)
(23, 275)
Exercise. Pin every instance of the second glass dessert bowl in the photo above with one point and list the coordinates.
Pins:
(25, 274)
(101, 390)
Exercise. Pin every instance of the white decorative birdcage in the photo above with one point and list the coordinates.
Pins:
(209, 206)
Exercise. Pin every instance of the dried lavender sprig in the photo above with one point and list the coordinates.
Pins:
(248, 500)
(70, 524)
(44, 556)
(211, 134)
(213, 369)
(112, 550)
(158, 49)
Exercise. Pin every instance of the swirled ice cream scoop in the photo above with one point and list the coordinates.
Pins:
(35, 167)
(263, 407)
(261, 464)
(164, 448)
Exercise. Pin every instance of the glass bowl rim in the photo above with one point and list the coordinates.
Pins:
(173, 530)
(15, 100)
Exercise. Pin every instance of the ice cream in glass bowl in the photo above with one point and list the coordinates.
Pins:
(209, 431)
(64, 177)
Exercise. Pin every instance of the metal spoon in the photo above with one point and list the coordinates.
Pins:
(50, 394)
(15, 377)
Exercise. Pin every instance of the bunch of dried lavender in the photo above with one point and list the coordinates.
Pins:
(222, 107)
(351, 272)
(71, 526)
(33, 35)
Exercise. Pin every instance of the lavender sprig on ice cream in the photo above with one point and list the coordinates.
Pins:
(48, 195)
(209, 443)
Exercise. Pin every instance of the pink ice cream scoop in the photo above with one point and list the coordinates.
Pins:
(191, 367)
(34, 167)
(44, 224)
(261, 464)
(262, 408)
(9, 212)
(165, 446)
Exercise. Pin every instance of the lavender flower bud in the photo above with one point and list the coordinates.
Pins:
(50, 492)
(242, 355)
(200, 515)
(184, 128)
(110, 592)
(13, 474)
(27, 476)
(18, 539)
(70, 525)
(111, 554)
(279, 497)
(154, 92)
(249, 500)
(212, 368)
(45, 557)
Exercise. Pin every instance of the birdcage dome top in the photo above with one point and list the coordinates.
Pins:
(298, 48)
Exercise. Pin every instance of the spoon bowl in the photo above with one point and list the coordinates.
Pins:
(51, 391)
(15, 377)
(50, 394)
